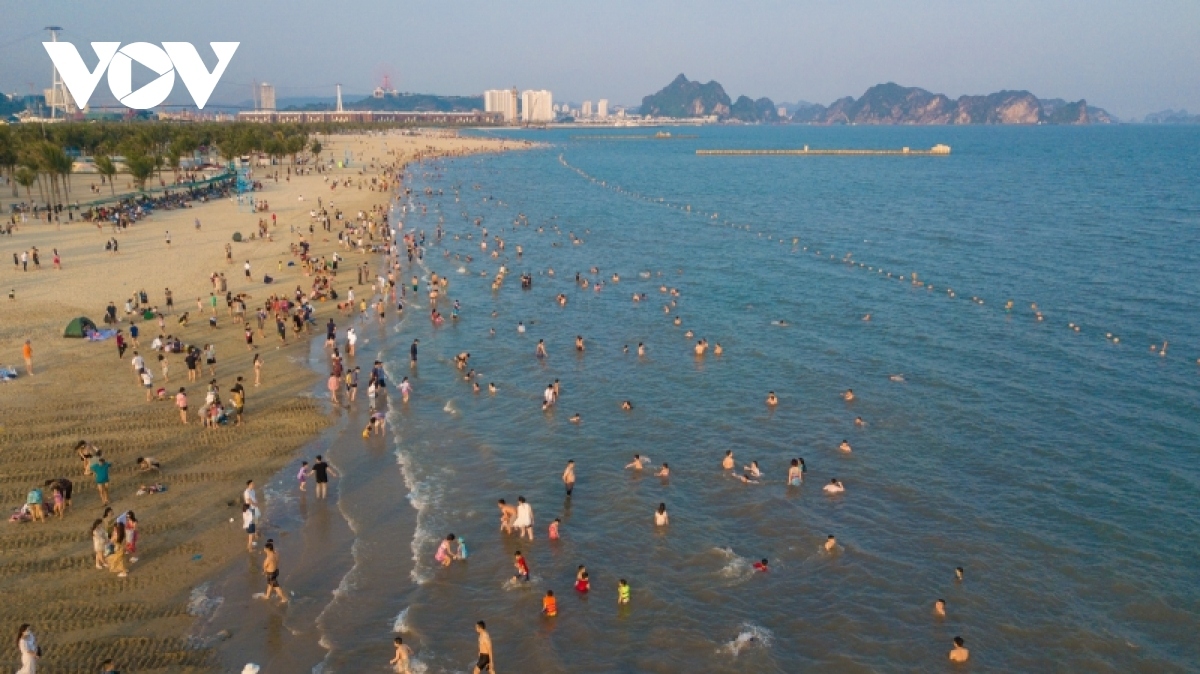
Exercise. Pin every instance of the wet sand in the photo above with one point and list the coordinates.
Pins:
(82, 390)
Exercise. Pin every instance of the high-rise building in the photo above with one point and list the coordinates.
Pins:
(586, 110)
(602, 108)
(266, 96)
(503, 101)
(537, 106)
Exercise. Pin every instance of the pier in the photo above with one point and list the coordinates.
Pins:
(935, 151)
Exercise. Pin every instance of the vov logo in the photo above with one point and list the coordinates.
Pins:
(172, 57)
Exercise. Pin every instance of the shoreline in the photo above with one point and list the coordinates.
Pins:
(85, 615)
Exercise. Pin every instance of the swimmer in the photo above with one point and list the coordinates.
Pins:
(958, 573)
(717, 350)
(492, 388)
(848, 395)
(582, 583)
(540, 352)
(772, 400)
(939, 608)
(761, 566)
(622, 591)
(507, 515)
(661, 518)
(575, 418)
(727, 462)
(678, 320)
(665, 471)
(834, 486)
(795, 475)
(867, 317)
(641, 349)
(399, 661)
(830, 543)
(626, 405)
(553, 529)
(579, 343)
(549, 605)
(959, 653)
(845, 446)
(637, 462)
(858, 421)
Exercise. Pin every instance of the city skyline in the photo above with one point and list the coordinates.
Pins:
(1130, 59)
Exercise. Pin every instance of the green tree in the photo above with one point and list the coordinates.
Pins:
(315, 149)
(25, 177)
(141, 167)
(106, 168)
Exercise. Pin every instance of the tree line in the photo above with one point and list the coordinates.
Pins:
(35, 154)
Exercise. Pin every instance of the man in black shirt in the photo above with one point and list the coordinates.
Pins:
(412, 353)
(321, 471)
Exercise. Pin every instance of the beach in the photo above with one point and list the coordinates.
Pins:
(82, 390)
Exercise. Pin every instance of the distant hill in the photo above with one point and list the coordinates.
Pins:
(1171, 117)
(882, 104)
(683, 98)
(893, 104)
(402, 102)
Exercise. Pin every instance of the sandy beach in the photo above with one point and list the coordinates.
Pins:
(82, 390)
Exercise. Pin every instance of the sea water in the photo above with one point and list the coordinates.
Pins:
(1056, 466)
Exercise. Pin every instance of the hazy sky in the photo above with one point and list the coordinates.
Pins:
(1131, 57)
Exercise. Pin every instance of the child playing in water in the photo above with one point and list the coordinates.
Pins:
(622, 591)
(522, 568)
(302, 476)
(582, 585)
(549, 604)
(444, 555)
(554, 529)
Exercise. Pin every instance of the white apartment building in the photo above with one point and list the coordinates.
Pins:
(537, 106)
(503, 101)
(586, 110)
(266, 97)
(602, 108)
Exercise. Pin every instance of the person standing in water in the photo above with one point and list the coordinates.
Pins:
(271, 571)
(524, 521)
(959, 653)
(568, 476)
(487, 660)
(399, 661)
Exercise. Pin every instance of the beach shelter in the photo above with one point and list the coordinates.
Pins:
(79, 327)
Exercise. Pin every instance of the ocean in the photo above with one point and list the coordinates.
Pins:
(1054, 459)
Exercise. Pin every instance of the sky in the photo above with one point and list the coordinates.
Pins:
(1129, 57)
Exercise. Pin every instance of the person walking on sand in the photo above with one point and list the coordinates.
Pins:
(100, 471)
(181, 402)
(271, 571)
(248, 525)
(487, 660)
(27, 353)
(30, 653)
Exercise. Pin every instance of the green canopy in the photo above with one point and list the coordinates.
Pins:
(79, 327)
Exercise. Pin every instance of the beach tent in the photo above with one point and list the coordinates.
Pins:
(79, 327)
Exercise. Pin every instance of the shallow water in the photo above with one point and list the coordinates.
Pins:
(1056, 466)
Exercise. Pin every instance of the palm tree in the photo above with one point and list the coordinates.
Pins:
(106, 168)
(141, 167)
(25, 177)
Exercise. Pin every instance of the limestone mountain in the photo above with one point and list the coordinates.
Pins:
(684, 98)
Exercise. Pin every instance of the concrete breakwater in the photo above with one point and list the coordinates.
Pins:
(935, 151)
